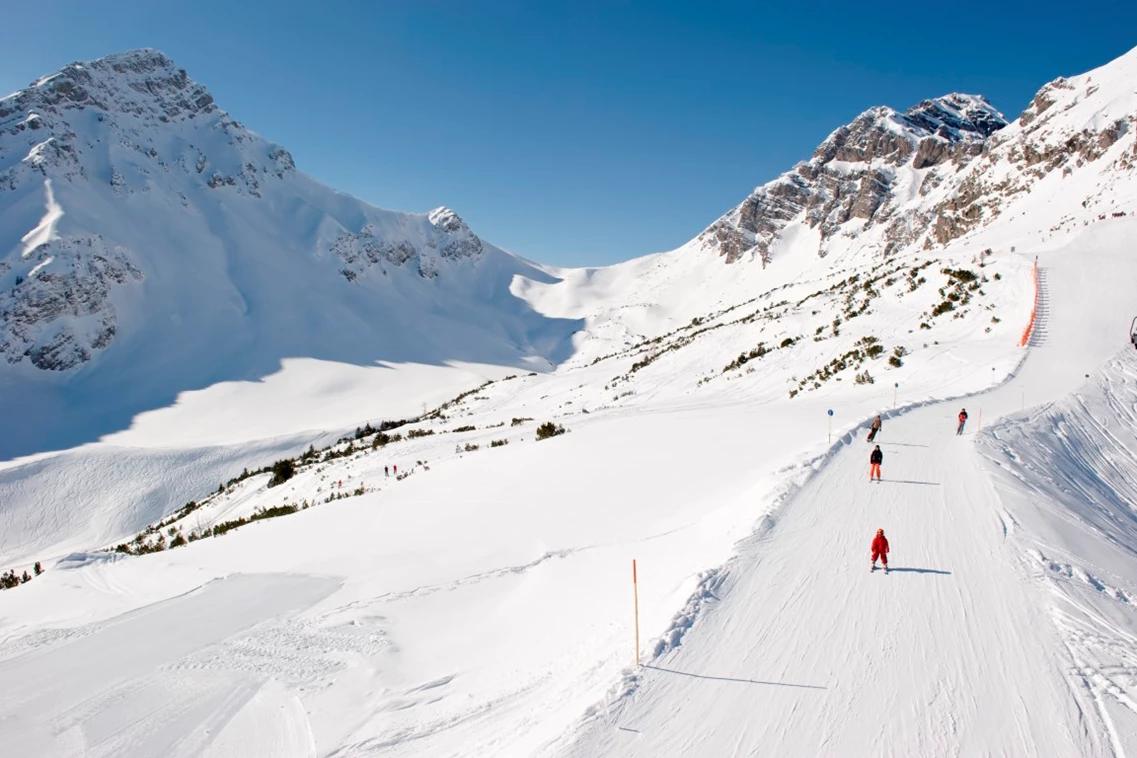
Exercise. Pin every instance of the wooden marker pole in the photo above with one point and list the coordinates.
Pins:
(636, 599)
(979, 424)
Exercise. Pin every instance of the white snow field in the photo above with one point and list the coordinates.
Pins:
(482, 605)
(478, 602)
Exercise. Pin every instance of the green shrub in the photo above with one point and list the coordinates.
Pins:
(282, 471)
(499, 443)
(549, 429)
(519, 421)
(464, 429)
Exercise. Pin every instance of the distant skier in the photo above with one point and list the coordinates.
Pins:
(876, 457)
(386, 471)
(874, 428)
(395, 469)
(880, 550)
(962, 421)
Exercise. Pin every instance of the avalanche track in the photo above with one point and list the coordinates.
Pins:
(799, 650)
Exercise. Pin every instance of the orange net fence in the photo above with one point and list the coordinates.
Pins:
(1033, 309)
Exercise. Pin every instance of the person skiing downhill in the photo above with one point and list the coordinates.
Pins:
(874, 428)
(880, 550)
(962, 421)
(876, 457)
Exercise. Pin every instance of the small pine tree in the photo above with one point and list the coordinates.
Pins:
(37, 568)
(25, 578)
(549, 429)
(282, 471)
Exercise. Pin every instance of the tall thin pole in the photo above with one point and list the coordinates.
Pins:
(636, 598)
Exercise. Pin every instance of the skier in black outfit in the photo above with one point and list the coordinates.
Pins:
(876, 457)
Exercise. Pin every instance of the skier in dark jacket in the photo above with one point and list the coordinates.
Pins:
(874, 428)
(880, 550)
(962, 421)
(876, 457)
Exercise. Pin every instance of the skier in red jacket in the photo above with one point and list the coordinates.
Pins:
(880, 550)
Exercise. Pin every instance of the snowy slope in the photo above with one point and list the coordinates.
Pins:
(479, 602)
(150, 244)
(798, 649)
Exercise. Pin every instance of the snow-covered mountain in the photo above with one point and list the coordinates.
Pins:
(944, 168)
(945, 177)
(151, 244)
(864, 174)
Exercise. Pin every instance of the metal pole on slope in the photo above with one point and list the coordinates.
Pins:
(895, 387)
(830, 426)
(636, 600)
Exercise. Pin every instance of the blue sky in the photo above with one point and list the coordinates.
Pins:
(575, 133)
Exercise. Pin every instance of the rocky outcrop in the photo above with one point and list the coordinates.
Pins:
(934, 173)
(447, 238)
(852, 175)
(57, 317)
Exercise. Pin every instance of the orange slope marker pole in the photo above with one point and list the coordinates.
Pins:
(636, 600)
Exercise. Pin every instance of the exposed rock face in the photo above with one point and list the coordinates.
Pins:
(447, 239)
(853, 174)
(938, 171)
(57, 317)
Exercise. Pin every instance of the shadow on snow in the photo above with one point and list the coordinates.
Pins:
(732, 679)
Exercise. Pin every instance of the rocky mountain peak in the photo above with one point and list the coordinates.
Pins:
(447, 220)
(956, 116)
(940, 170)
(853, 176)
(142, 83)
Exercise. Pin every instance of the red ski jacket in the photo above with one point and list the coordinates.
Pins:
(880, 545)
(962, 416)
